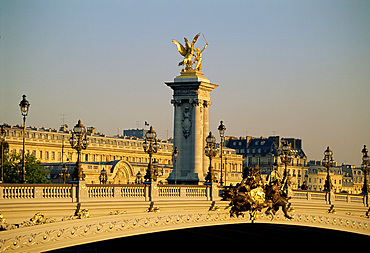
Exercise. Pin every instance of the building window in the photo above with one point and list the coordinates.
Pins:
(53, 155)
(46, 155)
(40, 155)
(86, 157)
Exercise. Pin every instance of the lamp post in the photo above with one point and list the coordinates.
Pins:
(24, 106)
(286, 158)
(328, 163)
(79, 142)
(210, 151)
(150, 146)
(2, 139)
(103, 178)
(64, 173)
(221, 130)
(175, 153)
(365, 169)
(139, 179)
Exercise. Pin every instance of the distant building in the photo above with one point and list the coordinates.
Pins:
(138, 133)
(263, 152)
(317, 175)
(344, 178)
(353, 179)
(123, 157)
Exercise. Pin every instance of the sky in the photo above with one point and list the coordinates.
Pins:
(291, 68)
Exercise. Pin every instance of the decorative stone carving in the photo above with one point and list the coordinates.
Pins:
(186, 122)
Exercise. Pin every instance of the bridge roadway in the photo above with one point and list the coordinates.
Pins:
(127, 217)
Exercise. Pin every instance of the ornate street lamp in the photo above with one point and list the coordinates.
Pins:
(221, 130)
(79, 142)
(210, 151)
(328, 163)
(286, 158)
(175, 153)
(24, 106)
(365, 169)
(151, 147)
(64, 173)
(2, 139)
(103, 178)
(139, 179)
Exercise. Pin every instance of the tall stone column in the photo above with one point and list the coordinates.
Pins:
(206, 105)
(191, 99)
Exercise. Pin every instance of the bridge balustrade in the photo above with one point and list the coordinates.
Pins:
(17, 193)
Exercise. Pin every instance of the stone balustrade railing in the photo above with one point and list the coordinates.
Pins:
(13, 193)
(82, 192)
(331, 197)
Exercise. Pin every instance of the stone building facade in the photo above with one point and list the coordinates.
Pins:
(123, 157)
(263, 152)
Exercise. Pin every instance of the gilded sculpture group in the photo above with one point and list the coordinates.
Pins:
(192, 57)
(252, 195)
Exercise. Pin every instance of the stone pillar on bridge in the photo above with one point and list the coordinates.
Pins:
(191, 101)
(82, 193)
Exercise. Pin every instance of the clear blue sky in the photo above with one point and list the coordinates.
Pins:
(295, 68)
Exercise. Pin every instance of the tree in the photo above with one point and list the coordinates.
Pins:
(34, 172)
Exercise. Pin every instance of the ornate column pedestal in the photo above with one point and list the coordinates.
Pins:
(191, 101)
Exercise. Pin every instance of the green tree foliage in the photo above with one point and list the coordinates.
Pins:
(34, 172)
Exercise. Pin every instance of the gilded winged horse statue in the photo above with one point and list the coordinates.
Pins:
(188, 52)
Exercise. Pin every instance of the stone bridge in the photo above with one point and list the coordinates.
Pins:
(115, 211)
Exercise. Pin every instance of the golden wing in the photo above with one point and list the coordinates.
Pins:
(180, 48)
(195, 39)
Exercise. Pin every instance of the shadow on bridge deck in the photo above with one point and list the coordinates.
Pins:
(236, 235)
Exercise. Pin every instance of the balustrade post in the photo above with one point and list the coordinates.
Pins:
(308, 195)
(151, 190)
(116, 192)
(212, 191)
(348, 198)
(82, 193)
(330, 197)
(366, 200)
(38, 192)
(182, 191)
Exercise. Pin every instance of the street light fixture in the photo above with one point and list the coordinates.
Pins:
(64, 173)
(175, 153)
(79, 142)
(328, 162)
(139, 179)
(2, 139)
(221, 130)
(151, 147)
(365, 169)
(286, 158)
(24, 106)
(210, 151)
(103, 178)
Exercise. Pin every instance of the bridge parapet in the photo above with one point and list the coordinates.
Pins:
(18, 193)
(124, 210)
(331, 197)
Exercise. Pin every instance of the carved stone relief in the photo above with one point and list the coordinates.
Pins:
(186, 122)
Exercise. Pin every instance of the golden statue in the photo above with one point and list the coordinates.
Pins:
(188, 52)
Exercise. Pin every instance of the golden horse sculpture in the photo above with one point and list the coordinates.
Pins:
(191, 56)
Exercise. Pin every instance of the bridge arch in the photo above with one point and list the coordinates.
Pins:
(210, 237)
(133, 218)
